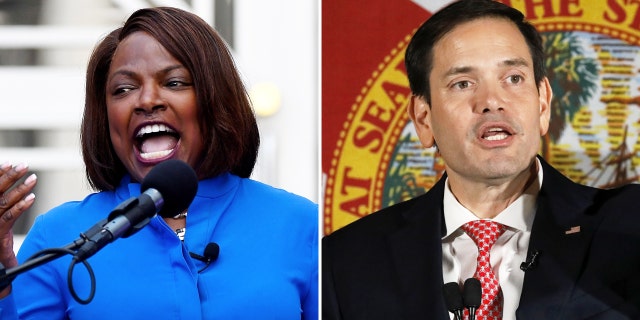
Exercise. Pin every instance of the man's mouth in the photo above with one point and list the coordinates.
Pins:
(155, 141)
(495, 134)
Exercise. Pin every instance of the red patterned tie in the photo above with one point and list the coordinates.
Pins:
(485, 233)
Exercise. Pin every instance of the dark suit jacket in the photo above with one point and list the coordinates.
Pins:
(388, 265)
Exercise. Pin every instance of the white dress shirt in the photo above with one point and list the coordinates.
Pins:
(460, 253)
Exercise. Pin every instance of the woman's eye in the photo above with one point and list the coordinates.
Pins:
(121, 90)
(177, 83)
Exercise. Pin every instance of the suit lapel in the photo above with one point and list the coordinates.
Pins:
(560, 233)
(416, 251)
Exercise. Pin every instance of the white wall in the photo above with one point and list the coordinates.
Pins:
(277, 41)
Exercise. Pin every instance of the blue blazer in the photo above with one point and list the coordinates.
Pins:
(388, 265)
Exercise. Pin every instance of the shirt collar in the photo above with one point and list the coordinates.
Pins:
(518, 215)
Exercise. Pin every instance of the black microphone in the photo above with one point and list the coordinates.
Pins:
(472, 296)
(532, 262)
(453, 299)
(167, 190)
(211, 252)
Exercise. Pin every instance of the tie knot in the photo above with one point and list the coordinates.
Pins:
(484, 232)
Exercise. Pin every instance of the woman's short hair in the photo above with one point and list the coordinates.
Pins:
(228, 123)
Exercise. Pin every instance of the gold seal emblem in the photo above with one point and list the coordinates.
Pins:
(593, 65)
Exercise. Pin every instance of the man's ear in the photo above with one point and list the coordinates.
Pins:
(545, 94)
(420, 113)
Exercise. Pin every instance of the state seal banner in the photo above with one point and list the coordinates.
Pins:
(371, 157)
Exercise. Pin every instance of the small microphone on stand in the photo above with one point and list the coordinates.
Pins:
(453, 299)
(532, 262)
(211, 252)
(472, 296)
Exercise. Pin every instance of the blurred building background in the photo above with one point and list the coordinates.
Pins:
(44, 48)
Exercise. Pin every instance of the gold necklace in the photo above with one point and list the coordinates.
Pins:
(180, 215)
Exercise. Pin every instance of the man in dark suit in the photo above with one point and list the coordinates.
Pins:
(563, 250)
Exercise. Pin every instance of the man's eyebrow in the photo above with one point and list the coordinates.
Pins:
(516, 62)
(458, 70)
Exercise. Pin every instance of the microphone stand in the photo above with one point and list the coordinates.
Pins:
(47, 255)
(7, 275)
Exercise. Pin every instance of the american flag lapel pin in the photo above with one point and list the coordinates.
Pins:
(573, 230)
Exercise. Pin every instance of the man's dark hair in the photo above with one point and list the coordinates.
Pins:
(419, 55)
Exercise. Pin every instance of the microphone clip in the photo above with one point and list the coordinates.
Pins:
(211, 252)
(532, 262)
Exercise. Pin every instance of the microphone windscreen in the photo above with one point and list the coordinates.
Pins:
(472, 295)
(177, 183)
(452, 296)
(211, 251)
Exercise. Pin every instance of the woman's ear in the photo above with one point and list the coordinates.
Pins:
(420, 113)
